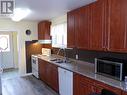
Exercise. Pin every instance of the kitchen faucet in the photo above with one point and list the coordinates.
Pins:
(65, 55)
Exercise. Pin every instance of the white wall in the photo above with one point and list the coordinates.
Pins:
(20, 28)
(59, 20)
(15, 49)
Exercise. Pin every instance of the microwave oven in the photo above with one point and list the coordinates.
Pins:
(111, 67)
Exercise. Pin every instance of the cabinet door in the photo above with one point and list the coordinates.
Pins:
(44, 30)
(83, 86)
(85, 89)
(100, 86)
(98, 25)
(116, 25)
(53, 77)
(42, 70)
(71, 29)
(82, 27)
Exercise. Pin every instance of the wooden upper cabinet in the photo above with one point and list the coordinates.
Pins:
(82, 28)
(44, 30)
(101, 25)
(117, 25)
(98, 25)
(71, 29)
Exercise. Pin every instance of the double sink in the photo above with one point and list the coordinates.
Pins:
(60, 60)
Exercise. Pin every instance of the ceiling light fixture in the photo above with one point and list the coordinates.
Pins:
(19, 14)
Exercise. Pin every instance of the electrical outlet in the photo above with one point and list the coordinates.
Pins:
(76, 56)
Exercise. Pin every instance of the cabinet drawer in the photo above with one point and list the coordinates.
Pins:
(100, 86)
(86, 80)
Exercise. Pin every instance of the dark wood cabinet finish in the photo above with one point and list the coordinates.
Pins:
(99, 86)
(101, 25)
(52, 73)
(82, 21)
(49, 74)
(78, 28)
(71, 29)
(44, 30)
(82, 86)
(42, 70)
(98, 25)
(86, 86)
(117, 25)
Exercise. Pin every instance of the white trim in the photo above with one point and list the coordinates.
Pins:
(28, 74)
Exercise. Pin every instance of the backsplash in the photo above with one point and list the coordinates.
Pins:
(89, 56)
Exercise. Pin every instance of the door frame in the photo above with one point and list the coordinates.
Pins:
(7, 32)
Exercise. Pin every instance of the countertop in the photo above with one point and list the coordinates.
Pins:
(85, 69)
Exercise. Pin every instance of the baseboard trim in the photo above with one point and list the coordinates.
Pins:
(26, 75)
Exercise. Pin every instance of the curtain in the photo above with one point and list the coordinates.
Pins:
(59, 35)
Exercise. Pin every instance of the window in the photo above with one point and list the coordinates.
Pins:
(59, 35)
(4, 43)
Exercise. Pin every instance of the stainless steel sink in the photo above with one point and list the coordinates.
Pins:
(58, 60)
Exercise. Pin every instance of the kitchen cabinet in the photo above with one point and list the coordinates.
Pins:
(98, 25)
(88, 26)
(117, 25)
(99, 86)
(86, 86)
(44, 30)
(71, 29)
(65, 82)
(82, 21)
(78, 28)
(53, 76)
(83, 86)
(42, 70)
(49, 74)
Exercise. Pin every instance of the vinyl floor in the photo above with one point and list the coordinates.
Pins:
(28, 85)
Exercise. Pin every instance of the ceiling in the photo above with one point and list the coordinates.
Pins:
(48, 9)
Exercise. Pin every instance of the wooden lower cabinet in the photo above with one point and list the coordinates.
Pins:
(86, 86)
(83, 86)
(42, 71)
(49, 74)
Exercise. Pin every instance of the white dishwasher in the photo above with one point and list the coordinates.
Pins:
(65, 82)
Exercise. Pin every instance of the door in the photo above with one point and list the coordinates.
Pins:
(6, 53)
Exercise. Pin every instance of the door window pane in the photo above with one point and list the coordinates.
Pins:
(4, 43)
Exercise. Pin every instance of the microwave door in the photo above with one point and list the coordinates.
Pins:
(109, 68)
